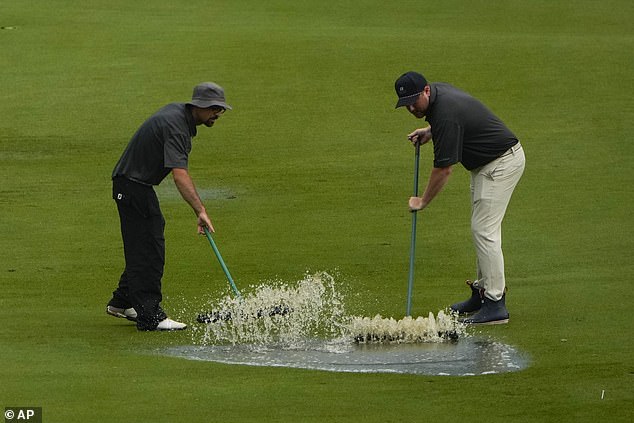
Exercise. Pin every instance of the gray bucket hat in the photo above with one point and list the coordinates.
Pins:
(208, 94)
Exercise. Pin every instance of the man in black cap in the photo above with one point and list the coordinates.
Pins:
(464, 130)
(161, 145)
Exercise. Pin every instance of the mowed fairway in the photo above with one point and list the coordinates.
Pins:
(311, 171)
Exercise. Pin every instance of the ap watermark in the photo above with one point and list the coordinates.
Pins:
(23, 414)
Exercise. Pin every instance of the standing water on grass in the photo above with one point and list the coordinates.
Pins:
(306, 326)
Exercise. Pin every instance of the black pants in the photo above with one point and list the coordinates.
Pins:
(142, 230)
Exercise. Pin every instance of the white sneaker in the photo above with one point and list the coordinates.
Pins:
(169, 324)
(128, 313)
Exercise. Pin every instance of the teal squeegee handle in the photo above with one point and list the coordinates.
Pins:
(222, 263)
(412, 249)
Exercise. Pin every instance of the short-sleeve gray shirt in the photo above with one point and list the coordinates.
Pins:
(161, 143)
(465, 130)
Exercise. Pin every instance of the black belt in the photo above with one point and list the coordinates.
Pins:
(512, 150)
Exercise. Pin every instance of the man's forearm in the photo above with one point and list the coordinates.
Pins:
(437, 180)
(186, 187)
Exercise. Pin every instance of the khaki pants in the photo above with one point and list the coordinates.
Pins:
(491, 188)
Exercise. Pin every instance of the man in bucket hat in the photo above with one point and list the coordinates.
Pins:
(160, 146)
(464, 130)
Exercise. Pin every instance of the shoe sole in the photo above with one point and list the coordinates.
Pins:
(170, 330)
(121, 316)
(463, 313)
(493, 322)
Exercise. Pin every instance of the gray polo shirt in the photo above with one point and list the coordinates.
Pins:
(465, 130)
(161, 143)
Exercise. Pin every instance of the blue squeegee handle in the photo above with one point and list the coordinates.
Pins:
(410, 283)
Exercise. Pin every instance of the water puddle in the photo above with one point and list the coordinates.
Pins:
(464, 357)
(305, 325)
(168, 192)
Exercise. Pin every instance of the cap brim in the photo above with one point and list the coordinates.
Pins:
(208, 104)
(407, 101)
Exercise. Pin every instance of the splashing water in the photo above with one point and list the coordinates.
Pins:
(406, 330)
(305, 325)
(276, 313)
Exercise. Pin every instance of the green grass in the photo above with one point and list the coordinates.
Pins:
(316, 158)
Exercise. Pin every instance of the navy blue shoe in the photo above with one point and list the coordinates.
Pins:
(471, 305)
(491, 313)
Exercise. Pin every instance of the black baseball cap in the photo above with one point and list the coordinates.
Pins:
(408, 87)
